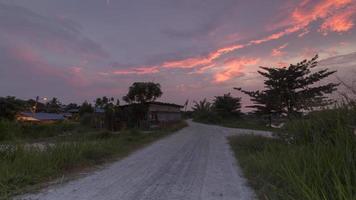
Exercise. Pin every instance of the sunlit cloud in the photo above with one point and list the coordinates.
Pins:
(340, 22)
(233, 68)
(278, 51)
(301, 17)
(305, 32)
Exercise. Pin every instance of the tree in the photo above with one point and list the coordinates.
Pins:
(103, 102)
(227, 105)
(86, 108)
(71, 106)
(290, 90)
(10, 106)
(141, 92)
(202, 106)
(203, 111)
(53, 106)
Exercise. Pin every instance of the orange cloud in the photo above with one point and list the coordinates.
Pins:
(306, 12)
(201, 61)
(340, 22)
(233, 68)
(278, 51)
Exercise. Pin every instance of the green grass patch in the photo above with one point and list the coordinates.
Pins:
(21, 166)
(316, 160)
(14, 131)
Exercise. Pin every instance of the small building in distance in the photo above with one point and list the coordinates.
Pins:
(151, 114)
(40, 117)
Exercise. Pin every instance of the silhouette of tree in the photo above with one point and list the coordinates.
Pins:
(227, 105)
(53, 106)
(10, 106)
(141, 92)
(290, 90)
(86, 108)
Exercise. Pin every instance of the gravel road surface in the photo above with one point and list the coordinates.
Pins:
(195, 163)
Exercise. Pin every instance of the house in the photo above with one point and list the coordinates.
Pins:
(40, 117)
(151, 113)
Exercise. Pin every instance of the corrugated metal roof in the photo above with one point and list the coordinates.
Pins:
(44, 116)
(156, 103)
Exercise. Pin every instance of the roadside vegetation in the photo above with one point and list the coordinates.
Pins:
(225, 111)
(313, 157)
(32, 153)
(22, 166)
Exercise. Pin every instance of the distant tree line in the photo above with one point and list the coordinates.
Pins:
(108, 107)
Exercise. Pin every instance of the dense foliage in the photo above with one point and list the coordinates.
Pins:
(227, 105)
(10, 106)
(141, 92)
(290, 90)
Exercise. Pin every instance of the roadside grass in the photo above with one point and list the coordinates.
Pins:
(21, 167)
(315, 160)
(243, 123)
(15, 131)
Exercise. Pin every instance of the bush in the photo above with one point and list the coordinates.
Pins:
(315, 160)
(86, 120)
(321, 126)
(35, 131)
(208, 117)
(22, 166)
(9, 130)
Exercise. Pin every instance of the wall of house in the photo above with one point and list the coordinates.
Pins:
(162, 108)
(168, 116)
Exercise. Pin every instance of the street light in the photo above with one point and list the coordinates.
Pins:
(34, 108)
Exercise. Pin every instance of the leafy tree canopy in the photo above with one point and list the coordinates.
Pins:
(227, 105)
(141, 92)
(290, 90)
(10, 106)
(85, 108)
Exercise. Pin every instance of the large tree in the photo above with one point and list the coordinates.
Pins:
(53, 106)
(10, 106)
(85, 108)
(227, 105)
(290, 90)
(141, 92)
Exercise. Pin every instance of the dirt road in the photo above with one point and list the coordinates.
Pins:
(196, 163)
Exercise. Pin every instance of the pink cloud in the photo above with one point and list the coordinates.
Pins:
(282, 64)
(233, 68)
(340, 22)
(138, 70)
(278, 51)
(306, 12)
(305, 32)
(33, 61)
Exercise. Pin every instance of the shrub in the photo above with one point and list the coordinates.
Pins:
(321, 126)
(317, 162)
(9, 130)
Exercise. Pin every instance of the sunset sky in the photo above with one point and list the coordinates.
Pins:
(78, 50)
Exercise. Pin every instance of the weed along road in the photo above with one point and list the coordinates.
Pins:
(194, 163)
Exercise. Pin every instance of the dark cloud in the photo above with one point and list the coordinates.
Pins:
(58, 34)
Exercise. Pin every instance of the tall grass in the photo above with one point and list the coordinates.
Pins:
(22, 166)
(315, 160)
(10, 130)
